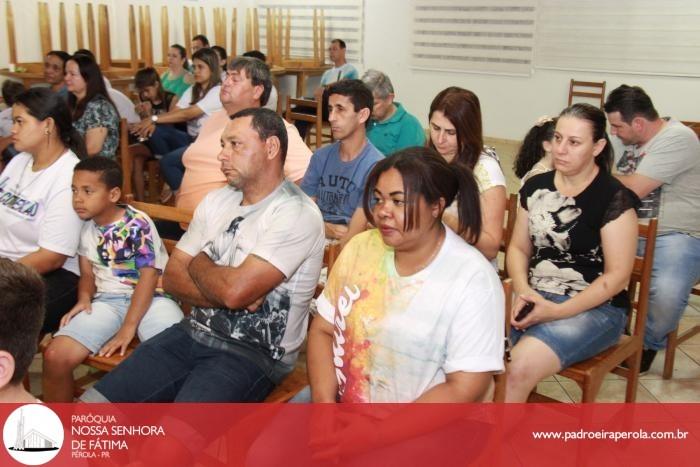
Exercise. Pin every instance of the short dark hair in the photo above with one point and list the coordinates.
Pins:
(631, 102)
(64, 56)
(340, 42)
(21, 313)
(358, 92)
(428, 175)
(87, 53)
(596, 118)
(201, 38)
(110, 172)
(267, 123)
(257, 71)
(10, 90)
(255, 54)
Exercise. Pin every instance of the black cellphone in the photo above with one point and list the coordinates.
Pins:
(524, 311)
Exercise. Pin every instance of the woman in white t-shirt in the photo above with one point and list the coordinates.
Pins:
(38, 226)
(194, 107)
(456, 133)
(410, 313)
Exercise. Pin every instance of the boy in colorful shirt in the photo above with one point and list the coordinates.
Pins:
(120, 293)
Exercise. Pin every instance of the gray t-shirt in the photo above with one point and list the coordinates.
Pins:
(673, 158)
(286, 230)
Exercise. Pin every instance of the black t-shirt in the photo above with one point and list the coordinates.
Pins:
(565, 231)
(164, 107)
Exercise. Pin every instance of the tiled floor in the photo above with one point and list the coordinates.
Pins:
(684, 387)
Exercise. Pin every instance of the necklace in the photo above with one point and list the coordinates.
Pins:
(435, 252)
(18, 190)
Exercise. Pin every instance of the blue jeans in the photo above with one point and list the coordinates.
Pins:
(675, 271)
(172, 169)
(173, 367)
(167, 138)
(578, 337)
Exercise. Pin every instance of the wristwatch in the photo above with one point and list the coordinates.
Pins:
(154, 118)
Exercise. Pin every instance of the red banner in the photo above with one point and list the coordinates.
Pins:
(360, 435)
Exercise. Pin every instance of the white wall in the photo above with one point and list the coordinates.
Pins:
(510, 105)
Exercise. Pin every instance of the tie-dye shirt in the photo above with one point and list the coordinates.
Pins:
(118, 250)
(396, 337)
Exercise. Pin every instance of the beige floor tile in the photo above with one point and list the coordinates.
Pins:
(691, 350)
(689, 321)
(610, 391)
(554, 390)
(694, 301)
(684, 367)
(675, 390)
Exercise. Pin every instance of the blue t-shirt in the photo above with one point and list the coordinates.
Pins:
(338, 185)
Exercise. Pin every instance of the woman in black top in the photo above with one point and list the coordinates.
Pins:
(571, 255)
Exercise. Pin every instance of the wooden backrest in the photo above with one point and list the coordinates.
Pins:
(316, 118)
(499, 394)
(511, 214)
(125, 158)
(638, 288)
(330, 254)
(592, 90)
(164, 213)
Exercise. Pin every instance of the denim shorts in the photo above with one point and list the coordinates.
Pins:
(94, 329)
(581, 336)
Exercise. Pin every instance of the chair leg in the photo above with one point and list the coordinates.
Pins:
(633, 378)
(153, 191)
(671, 344)
(590, 389)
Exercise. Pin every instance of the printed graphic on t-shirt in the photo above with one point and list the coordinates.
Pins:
(127, 246)
(21, 205)
(551, 218)
(334, 192)
(264, 327)
(650, 203)
(366, 347)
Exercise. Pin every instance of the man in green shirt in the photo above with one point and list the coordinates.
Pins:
(391, 127)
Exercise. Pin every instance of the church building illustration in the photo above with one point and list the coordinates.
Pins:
(33, 440)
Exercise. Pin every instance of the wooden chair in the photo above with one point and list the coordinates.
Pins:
(316, 118)
(126, 160)
(298, 379)
(511, 213)
(589, 374)
(499, 394)
(674, 340)
(592, 90)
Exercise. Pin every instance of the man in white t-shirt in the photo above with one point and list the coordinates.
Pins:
(248, 264)
(659, 159)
